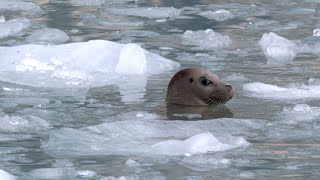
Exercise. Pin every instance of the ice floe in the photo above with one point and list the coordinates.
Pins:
(18, 6)
(13, 27)
(218, 15)
(6, 176)
(26, 124)
(277, 49)
(268, 91)
(53, 173)
(197, 144)
(152, 137)
(48, 36)
(300, 113)
(148, 12)
(92, 63)
(205, 39)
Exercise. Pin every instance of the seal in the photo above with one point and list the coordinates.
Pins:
(198, 87)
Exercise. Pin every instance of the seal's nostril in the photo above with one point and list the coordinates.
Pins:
(228, 85)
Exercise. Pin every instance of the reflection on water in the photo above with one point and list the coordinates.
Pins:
(84, 133)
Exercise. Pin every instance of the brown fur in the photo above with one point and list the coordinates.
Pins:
(196, 86)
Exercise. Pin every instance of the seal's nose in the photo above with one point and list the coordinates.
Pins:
(229, 86)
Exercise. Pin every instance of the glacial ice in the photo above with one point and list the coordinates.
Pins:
(200, 143)
(6, 176)
(316, 32)
(300, 113)
(277, 49)
(218, 15)
(18, 6)
(137, 63)
(26, 124)
(13, 27)
(53, 173)
(92, 63)
(148, 12)
(133, 137)
(268, 91)
(48, 36)
(207, 39)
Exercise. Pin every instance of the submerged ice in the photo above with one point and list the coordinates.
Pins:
(13, 27)
(152, 137)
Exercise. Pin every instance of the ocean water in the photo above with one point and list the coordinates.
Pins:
(83, 83)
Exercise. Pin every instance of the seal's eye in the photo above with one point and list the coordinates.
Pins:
(205, 82)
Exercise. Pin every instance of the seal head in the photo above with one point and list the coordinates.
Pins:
(198, 87)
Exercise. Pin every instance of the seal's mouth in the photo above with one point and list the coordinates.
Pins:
(221, 97)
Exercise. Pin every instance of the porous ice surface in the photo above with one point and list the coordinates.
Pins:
(205, 39)
(13, 26)
(91, 63)
(293, 92)
(48, 36)
(53, 173)
(22, 124)
(218, 15)
(6, 176)
(277, 49)
(152, 137)
(148, 12)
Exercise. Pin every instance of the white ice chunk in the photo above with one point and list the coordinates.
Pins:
(6, 176)
(277, 49)
(268, 91)
(316, 32)
(200, 143)
(207, 39)
(149, 12)
(53, 173)
(136, 137)
(14, 5)
(13, 26)
(87, 2)
(205, 162)
(92, 63)
(48, 36)
(26, 124)
(219, 15)
(2, 19)
(299, 113)
(132, 60)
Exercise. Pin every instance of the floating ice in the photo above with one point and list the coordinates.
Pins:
(17, 5)
(132, 60)
(316, 32)
(200, 143)
(6, 176)
(299, 113)
(140, 136)
(92, 63)
(268, 91)
(87, 2)
(26, 124)
(13, 27)
(207, 39)
(98, 2)
(53, 173)
(205, 162)
(48, 36)
(219, 15)
(149, 12)
(277, 49)
(112, 22)
(2, 19)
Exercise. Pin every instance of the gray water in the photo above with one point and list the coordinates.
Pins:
(284, 144)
